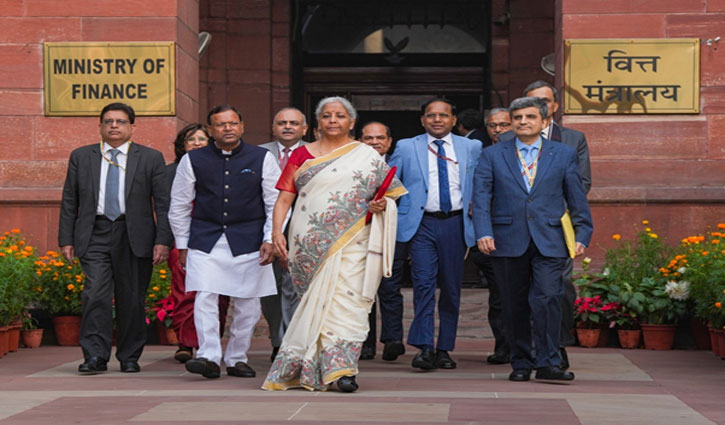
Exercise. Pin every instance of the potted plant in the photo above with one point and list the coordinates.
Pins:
(16, 275)
(160, 306)
(588, 315)
(32, 335)
(61, 283)
(664, 305)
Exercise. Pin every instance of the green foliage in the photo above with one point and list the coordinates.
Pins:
(61, 284)
(16, 275)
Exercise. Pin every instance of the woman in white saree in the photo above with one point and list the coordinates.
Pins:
(336, 260)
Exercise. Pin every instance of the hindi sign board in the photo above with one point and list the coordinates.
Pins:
(639, 76)
(81, 78)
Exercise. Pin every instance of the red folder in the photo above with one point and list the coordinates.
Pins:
(381, 192)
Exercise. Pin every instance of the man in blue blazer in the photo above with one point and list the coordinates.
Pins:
(437, 169)
(522, 188)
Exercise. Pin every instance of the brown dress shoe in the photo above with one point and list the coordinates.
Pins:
(241, 370)
(184, 354)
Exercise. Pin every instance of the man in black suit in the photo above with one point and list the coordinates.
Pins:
(470, 125)
(111, 194)
(498, 121)
(578, 141)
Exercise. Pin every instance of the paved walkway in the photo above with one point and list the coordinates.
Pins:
(613, 386)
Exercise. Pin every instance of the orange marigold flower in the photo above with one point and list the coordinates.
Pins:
(162, 271)
(70, 286)
(2, 254)
(616, 236)
(28, 248)
(715, 241)
(152, 296)
(718, 304)
(156, 288)
(645, 221)
(15, 230)
(653, 235)
(647, 229)
(663, 270)
(721, 225)
(705, 253)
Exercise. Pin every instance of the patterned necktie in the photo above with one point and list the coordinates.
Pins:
(444, 191)
(284, 159)
(111, 208)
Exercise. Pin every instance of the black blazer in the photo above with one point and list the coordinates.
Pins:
(146, 191)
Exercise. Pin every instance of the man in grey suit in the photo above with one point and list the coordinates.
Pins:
(522, 188)
(111, 194)
(578, 141)
(288, 127)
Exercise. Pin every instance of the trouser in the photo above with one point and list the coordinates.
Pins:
(183, 318)
(278, 309)
(532, 294)
(390, 299)
(567, 306)
(495, 309)
(436, 250)
(206, 318)
(113, 272)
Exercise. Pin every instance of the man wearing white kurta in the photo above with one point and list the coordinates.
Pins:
(221, 215)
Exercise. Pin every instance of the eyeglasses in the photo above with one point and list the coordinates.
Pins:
(498, 124)
(109, 122)
(433, 116)
(221, 125)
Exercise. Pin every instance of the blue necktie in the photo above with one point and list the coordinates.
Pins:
(111, 208)
(444, 191)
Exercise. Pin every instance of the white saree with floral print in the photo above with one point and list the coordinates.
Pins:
(328, 257)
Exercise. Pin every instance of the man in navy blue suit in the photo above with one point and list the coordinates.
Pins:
(522, 188)
(437, 169)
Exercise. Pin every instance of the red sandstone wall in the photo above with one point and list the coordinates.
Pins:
(34, 149)
(247, 63)
(668, 169)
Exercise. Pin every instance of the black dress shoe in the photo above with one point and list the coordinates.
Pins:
(130, 367)
(92, 366)
(444, 361)
(275, 350)
(367, 353)
(203, 367)
(564, 365)
(184, 354)
(241, 370)
(553, 373)
(347, 384)
(425, 359)
(392, 350)
(497, 358)
(520, 375)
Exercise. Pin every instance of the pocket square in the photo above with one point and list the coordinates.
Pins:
(247, 171)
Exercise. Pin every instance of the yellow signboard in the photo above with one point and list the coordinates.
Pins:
(81, 78)
(640, 76)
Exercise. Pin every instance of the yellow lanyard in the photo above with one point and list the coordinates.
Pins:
(110, 161)
(530, 170)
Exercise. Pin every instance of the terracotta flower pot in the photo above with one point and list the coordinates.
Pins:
(700, 334)
(658, 337)
(715, 341)
(721, 340)
(588, 337)
(4, 340)
(14, 336)
(67, 329)
(629, 338)
(167, 336)
(32, 337)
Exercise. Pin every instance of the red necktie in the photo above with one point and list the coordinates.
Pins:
(284, 159)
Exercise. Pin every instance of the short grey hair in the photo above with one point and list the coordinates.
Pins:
(527, 102)
(336, 99)
(539, 84)
(292, 108)
(495, 111)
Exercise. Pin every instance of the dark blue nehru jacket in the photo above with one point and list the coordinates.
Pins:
(228, 198)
